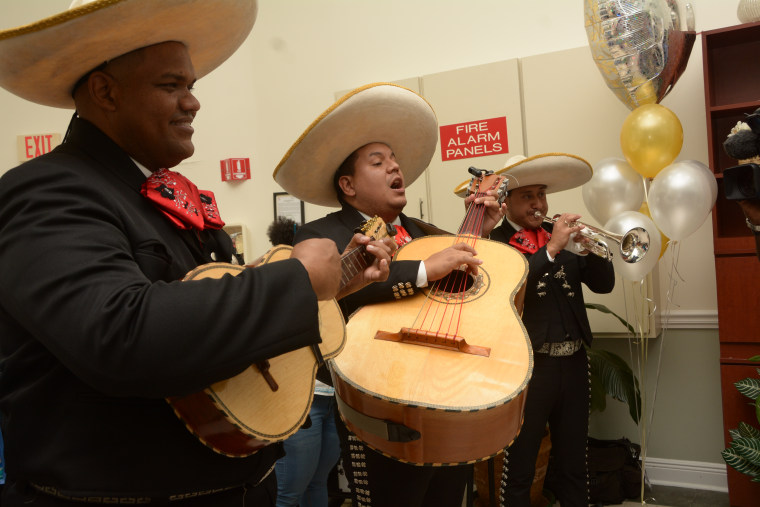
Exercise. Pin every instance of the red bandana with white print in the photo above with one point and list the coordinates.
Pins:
(402, 237)
(181, 201)
(530, 240)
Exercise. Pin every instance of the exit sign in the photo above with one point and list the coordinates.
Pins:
(32, 146)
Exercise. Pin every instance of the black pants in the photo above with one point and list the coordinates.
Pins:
(379, 481)
(558, 394)
(263, 495)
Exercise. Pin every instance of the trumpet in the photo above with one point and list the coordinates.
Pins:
(632, 246)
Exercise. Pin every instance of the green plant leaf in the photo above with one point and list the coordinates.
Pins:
(747, 448)
(749, 387)
(610, 374)
(747, 431)
(739, 463)
(598, 395)
(617, 378)
(604, 309)
(743, 452)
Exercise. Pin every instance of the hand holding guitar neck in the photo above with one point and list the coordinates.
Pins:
(495, 208)
(377, 254)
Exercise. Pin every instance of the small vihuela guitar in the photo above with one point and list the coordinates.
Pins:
(270, 400)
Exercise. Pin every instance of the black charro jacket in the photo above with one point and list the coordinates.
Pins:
(96, 329)
(554, 306)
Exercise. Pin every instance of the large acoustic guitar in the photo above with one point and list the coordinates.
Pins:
(270, 400)
(440, 377)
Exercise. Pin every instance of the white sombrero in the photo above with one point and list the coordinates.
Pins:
(558, 171)
(378, 112)
(42, 61)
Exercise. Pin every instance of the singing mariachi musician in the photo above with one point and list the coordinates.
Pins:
(96, 326)
(555, 317)
(360, 155)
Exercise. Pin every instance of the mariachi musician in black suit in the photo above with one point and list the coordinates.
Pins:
(96, 327)
(360, 155)
(555, 317)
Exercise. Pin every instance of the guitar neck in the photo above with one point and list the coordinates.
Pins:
(354, 262)
(472, 225)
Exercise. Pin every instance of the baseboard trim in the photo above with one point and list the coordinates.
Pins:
(687, 474)
(688, 319)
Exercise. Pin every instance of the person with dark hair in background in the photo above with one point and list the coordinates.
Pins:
(97, 329)
(282, 231)
(555, 317)
(743, 144)
(360, 155)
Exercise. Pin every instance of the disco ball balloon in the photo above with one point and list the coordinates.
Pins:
(639, 46)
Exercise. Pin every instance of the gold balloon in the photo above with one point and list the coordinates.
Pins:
(638, 46)
(651, 138)
(644, 210)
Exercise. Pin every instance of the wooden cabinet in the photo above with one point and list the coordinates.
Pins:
(731, 63)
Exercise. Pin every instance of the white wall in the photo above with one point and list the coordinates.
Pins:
(302, 51)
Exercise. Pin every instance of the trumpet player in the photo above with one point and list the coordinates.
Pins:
(555, 318)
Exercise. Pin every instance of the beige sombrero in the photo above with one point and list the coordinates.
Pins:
(42, 61)
(378, 112)
(558, 171)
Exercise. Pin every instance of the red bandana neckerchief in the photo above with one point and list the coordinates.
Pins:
(402, 237)
(181, 201)
(530, 240)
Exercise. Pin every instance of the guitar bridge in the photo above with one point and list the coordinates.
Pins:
(263, 367)
(433, 339)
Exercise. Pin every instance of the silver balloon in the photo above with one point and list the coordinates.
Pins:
(614, 187)
(639, 47)
(621, 224)
(681, 197)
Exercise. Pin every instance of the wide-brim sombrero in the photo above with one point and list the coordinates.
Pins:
(378, 112)
(42, 61)
(558, 171)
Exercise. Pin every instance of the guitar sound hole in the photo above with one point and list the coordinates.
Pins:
(455, 282)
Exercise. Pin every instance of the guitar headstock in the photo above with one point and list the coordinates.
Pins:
(376, 228)
(486, 180)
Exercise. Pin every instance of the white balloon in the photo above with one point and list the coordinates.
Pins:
(625, 223)
(681, 197)
(708, 176)
(613, 188)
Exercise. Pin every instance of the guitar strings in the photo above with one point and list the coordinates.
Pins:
(469, 233)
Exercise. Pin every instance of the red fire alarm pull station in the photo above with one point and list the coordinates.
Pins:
(236, 169)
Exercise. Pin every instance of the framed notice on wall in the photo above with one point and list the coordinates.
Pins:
(287, 206)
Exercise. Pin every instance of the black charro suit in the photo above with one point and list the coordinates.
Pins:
(558, 393)
(96, 329)
(376, 480)
(544, 313)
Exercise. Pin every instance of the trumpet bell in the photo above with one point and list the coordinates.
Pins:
(634, 245)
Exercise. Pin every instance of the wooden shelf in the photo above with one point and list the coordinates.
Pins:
(731, 234)
(733, 108)
(731, 63)
(732, 66)
(731, 58)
